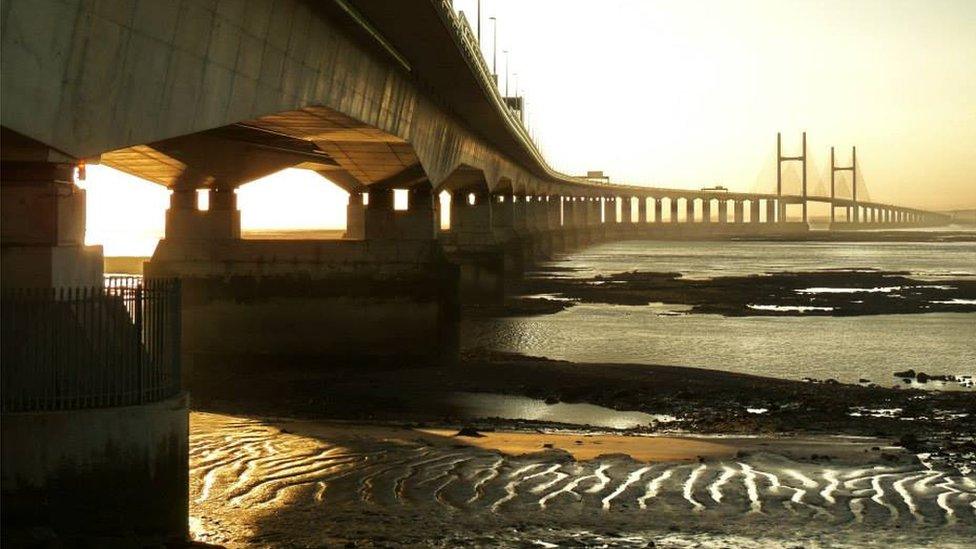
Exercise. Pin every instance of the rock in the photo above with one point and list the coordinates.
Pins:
(862, 380)
(922, 377)
(547, 445)
(551, 400)
(469, 432)
(907, 373)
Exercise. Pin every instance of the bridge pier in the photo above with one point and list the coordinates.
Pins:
(389, 297)
(626, 211)
(75, 458)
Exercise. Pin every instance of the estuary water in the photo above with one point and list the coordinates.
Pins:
(792, 347)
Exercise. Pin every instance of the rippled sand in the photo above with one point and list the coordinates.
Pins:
(255, 483)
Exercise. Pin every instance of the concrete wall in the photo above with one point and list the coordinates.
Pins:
(354, 302)
(100, 473)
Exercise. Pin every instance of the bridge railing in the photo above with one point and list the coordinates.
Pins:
(472, 50)
(90, 347)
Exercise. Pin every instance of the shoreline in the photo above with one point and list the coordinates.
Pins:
(703, 401)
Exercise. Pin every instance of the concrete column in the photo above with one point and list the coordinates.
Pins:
(224, 217)
(593, 207)
(723, 211)
(674, 210)
(221, 221)
(553, 208)
(626, 210)
(43, 223)
(738, 211)
(471, 223)
(380, 221)
(657, 210)
(706, 210)
(642, 209)
(520, 213)
(502, 213)
(689, 210)
(356, 216)
(569, 212)
(770, 210)
(579, 212)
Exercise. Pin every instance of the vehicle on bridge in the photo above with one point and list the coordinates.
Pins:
(716, 188)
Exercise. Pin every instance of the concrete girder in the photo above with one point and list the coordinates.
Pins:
(208, 159)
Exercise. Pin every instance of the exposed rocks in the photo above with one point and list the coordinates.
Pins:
(824, 293)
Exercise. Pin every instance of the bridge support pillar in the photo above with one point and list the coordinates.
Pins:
(723, 211)
(626, 210)
(674, 209)
(71, 472)
(706, 210)
(502, 215)
(471, 223)
(689, 210)
(356, 217)
(770, 210)
(657, 210)
(642, 209)
(221, 221)
(43, 223)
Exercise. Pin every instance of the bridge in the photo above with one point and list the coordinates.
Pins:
(213, 94)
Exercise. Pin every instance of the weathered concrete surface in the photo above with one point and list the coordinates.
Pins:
(42, 219)
(390, 301)
(99, 473)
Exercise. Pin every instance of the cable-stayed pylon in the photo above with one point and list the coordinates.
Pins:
(852, 168)
(779, 175)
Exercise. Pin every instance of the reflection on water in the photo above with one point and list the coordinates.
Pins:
(487, 405)
(791, 347)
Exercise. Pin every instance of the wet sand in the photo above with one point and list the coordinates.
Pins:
(303, 483)
(586, 446)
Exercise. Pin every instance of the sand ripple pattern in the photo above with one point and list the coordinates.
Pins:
(247, 464)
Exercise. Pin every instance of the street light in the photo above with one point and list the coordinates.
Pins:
(505, 52)
(479, 22)
(494, 49)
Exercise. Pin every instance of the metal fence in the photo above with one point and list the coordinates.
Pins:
(71, 348)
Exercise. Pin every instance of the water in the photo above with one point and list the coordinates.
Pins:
(488, 405)
(790, 347)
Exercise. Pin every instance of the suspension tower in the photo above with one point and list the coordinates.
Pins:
(781, 209)
(853, 169)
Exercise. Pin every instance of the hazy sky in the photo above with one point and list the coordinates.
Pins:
(687, 93)
(691, 93)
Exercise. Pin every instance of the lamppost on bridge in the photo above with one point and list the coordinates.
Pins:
(505, 52)
(494, 49)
